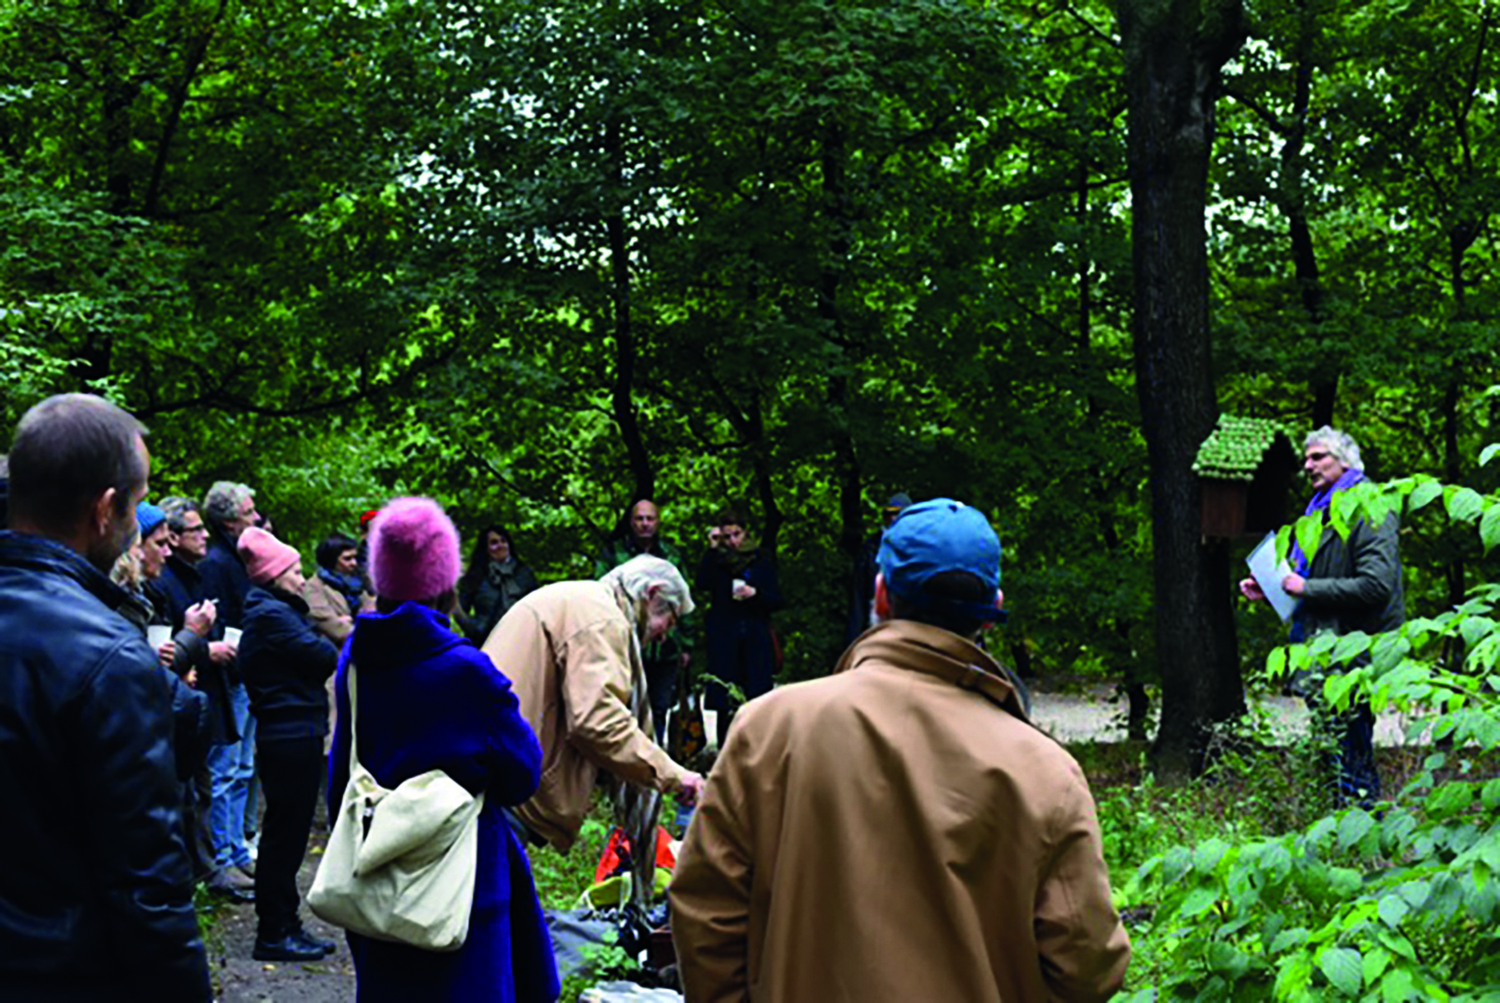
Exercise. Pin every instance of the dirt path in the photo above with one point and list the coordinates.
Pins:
(241, 979)
(1091, 716)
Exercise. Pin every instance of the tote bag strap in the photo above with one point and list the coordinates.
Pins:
(353, 720)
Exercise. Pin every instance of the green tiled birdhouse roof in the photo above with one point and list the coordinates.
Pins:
(1235, 448)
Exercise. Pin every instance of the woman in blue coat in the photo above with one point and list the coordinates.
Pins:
(429, 699)
(742, 591)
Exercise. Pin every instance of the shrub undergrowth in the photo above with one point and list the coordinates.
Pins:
(1244, 886)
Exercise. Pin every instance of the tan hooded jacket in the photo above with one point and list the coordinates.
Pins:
(572, 656)
(900, 832)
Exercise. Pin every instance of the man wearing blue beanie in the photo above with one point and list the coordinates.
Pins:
(900, 830)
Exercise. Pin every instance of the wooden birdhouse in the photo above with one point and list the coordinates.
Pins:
(1245, 468)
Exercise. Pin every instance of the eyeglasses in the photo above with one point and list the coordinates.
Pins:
(1318, 457)
(192, 529)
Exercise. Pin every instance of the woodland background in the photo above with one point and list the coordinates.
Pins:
(535, 259)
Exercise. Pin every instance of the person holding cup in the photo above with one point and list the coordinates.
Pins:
(179, 654)
(742, 591)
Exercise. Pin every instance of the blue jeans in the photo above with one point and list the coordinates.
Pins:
(230, 768)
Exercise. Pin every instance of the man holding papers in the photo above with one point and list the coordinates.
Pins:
(1348, 585)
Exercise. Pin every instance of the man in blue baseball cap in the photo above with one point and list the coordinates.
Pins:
(900, 830)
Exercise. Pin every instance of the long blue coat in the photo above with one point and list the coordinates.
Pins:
(430, 699)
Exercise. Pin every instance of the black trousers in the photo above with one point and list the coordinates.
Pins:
(290, 772)
(661, 686)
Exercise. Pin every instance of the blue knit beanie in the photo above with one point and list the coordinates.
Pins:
(148, 516)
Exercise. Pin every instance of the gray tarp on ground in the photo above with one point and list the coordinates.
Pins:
(627, 992)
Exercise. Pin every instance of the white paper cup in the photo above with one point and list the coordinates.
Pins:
(157, 636)
(232, 635)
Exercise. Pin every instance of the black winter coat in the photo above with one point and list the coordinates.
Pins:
(190, 712)
(96, 893)
(741, 649)
(179, 587)
(225, 579)
(286, 665)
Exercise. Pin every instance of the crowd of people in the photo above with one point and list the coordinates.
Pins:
(897, 830)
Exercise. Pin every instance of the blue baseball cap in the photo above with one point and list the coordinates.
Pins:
(937, 536)
(148, 517)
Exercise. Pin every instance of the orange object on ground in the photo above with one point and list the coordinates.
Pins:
(619, 845)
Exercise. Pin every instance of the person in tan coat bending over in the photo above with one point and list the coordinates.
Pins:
(899, 830)
(572, 651)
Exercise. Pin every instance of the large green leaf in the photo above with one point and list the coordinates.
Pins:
(1489, 527)
(1343, 968)
(1309, 530)
(1424, 493)
(1463, 503)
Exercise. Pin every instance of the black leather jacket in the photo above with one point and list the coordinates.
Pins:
(96, 895)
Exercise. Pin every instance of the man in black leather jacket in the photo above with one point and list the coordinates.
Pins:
(95, 884)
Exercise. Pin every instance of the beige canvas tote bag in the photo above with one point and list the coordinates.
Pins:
(400, 863)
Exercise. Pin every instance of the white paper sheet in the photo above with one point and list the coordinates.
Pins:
(1268, 574)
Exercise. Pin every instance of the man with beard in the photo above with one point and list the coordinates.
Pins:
(572, 651)
(96, 894)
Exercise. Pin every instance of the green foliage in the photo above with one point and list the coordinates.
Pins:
(602, 963)
(1392, 904)
(1237, 447)
(562, 877)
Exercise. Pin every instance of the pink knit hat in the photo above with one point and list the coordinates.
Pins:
(265, 556)
(413, 551)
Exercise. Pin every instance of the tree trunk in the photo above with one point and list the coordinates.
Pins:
(1325, 385)
(1133, 673)
(622, 398)
(1173, 55)
(846, 460)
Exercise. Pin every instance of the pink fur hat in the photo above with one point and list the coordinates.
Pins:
(413, 551)
(265, 556)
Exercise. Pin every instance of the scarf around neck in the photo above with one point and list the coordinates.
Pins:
(1320, 502)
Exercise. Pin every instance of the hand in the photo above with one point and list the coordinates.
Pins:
(744, 591)
(1294, 585)
(1250, 589)
(690, 789)
(191, 678)
(166, 654)
(199, 618)
(221, 652)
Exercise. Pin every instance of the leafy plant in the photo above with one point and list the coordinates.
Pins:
(1393, 904)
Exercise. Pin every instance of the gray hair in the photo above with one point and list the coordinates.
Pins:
(636, 576)
(1340, 444)
(225, 501)
(177, 509)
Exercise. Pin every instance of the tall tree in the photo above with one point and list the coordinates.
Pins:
(1174, 55)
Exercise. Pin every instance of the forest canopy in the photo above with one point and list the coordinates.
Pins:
(536, 260)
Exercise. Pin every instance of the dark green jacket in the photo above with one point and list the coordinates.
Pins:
(1355, 584)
